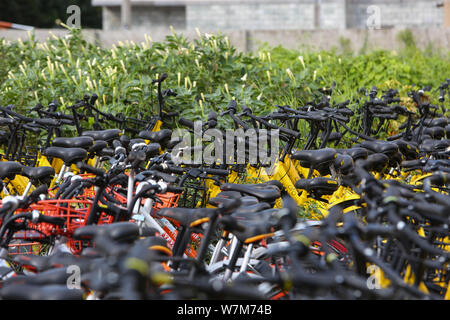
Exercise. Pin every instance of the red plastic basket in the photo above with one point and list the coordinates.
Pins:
(27, 242)
(75, 213)
(25, 248)
(169, 200)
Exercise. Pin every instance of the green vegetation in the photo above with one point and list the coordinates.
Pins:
(205, 73)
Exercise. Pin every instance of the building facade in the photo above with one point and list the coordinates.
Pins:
(226, 15)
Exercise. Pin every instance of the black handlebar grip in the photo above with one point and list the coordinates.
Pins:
(216, 172)
(166, 177)
(232, 105)
(43, 189)
(163, 77)
(116, 144)
(185, 122)
(52, 220)
(6, 121)
(174, 189)
(89, 169)
(94, 98)
(170, 114)
(212, 116)
(46, 122)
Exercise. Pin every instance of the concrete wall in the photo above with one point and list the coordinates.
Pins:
(280, 14)
(251, 16)
(146, 17)
(250, 40)
(396, 13)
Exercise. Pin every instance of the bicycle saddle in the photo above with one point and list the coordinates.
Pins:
(376, 162)
(252, 208)
(6, 121)
(4, 137)
(257, 226)
(378, 146)
(334, 136)
(430, 145)
(153, 149)
(435, 132)
(52, 276)
(315, 158)
(157, 244)
(97, 147)
(68, 155)
(156, 136)
(413, 164)
(320, 186)
(407, 148)
(105, 135)
(436, 122)
(35, 292)
(38, 174)
(186, 217)
(245, 201)
(356, 153)
(343, 163)
(124, 232)
(75, 142)
(9, 169)
(262, 191)
(39, 263)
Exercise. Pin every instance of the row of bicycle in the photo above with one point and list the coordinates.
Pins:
(139, 225)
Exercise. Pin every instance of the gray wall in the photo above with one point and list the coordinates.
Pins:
(252, 39)
(281, 15)
(398, 13)
(146, 17)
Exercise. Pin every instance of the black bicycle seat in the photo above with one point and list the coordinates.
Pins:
(413, 164)
(187, 217)
(335, 136)
(436, 122)
(245, 200)
(379, 146)
(253, 208)
(39, 263)
(315, 158)
(105, 135)
(407, 148)
(429, 145)
(160, 136)
(376, 162)
(75, 142)
(435, 132)
(35, 292)
(48, 277)
(320, 185)
(68, 155)
(9, 169)
(262, 191)
(255, 229)
(356, 153)
(343, 163)
(38, 174)
(125, 232)
(97, 147)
